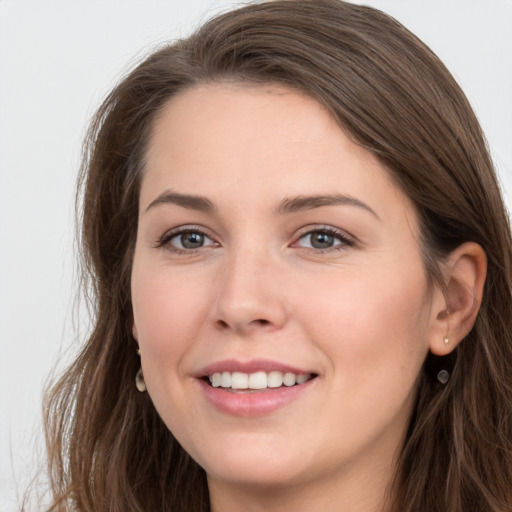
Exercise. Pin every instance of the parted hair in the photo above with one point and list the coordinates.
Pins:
(108, 449)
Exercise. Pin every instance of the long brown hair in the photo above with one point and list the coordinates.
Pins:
(108, 448)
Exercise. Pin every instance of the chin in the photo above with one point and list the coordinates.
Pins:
(255, 474)
(256, 464)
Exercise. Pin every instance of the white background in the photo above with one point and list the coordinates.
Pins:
(57, 60)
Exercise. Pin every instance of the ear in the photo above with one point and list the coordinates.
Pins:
(457, 305)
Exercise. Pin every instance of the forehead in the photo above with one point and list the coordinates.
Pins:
(219, 137)
(204, 116)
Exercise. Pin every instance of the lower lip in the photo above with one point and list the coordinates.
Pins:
(253, 403)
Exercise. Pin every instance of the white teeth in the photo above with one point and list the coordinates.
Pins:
(302, 378)
(225, 380)
(274, 379)
(239, 380)
(257, 380)
(289, 379)
(216, 380)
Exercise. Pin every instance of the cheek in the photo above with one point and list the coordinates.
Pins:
(168, 315)
(374, 337)
(165, 308)
(371, 323)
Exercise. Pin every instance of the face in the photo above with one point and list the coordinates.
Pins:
(280, 300)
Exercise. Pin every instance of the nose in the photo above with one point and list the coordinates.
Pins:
(250, 297)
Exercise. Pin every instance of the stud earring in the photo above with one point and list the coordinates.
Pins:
(139, 381)
(446, 341)
(443, 376)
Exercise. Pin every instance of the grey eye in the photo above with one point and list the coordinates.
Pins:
(190, 240)
(321, 240)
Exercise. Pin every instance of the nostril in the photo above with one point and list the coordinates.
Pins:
(262, 322)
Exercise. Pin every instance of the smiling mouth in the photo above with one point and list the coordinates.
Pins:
(258, 381)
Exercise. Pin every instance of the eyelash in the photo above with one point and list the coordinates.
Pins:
(344, 239)
(169, 235)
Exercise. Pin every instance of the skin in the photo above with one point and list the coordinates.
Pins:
(360, 314)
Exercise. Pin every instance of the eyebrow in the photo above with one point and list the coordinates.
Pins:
(302, 203)
(293, 205)
(188, 201)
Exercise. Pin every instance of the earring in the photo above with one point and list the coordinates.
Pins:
(139, 381)
(443, 376)
(446, 341)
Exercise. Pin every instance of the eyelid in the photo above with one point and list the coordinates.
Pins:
(346, 239)
(179, 230)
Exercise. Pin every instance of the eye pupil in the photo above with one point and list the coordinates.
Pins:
(322, 240)
(192, 240)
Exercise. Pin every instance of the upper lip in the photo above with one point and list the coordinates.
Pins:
(252, 366)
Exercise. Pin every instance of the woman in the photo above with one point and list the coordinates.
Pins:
(301, 267)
